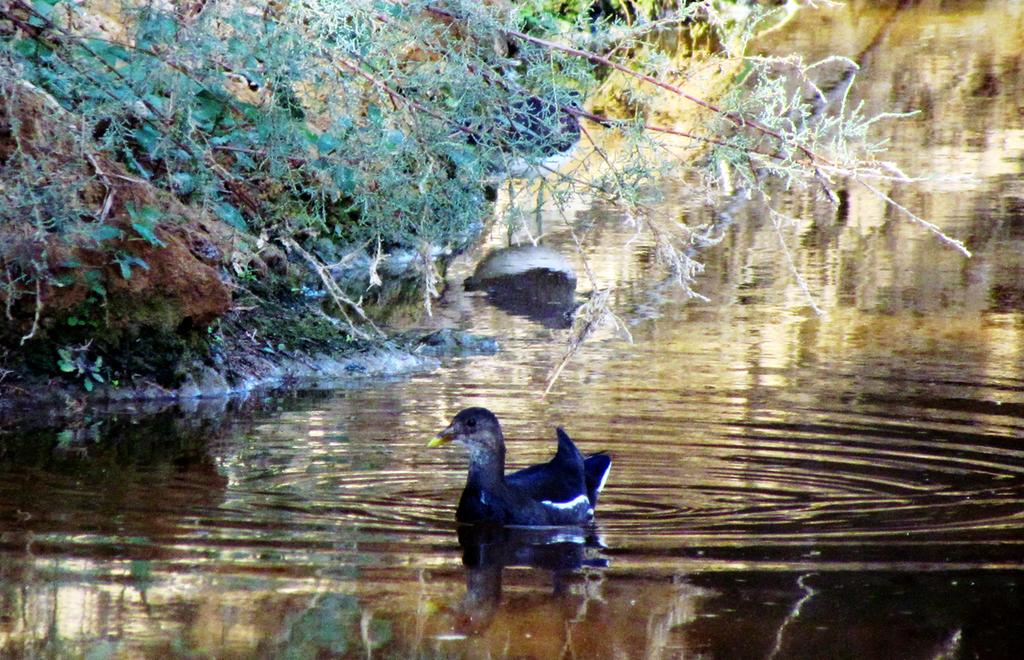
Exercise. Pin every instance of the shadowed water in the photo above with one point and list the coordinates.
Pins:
(785, 484)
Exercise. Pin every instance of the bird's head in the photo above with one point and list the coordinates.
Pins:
(476, 428)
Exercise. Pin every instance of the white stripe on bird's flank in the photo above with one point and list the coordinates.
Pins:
(571, 504)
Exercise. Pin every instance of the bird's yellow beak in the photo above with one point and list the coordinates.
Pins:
(443, 438)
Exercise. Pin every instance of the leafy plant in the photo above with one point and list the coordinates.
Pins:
(332, 129)
(144, 222)
(125, 261)
(75, 360)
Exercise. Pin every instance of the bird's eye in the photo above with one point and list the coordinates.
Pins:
(471, 423)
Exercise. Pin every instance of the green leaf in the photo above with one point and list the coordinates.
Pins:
(345, 179)
(183, 183)
(105, 233)
(144, 223)
(394, 138)
(461, 155)
(148, 138)
(327, 143)
(245, 160)
(148, 214)
(155, 30)
(44, 8)
(207, 108)
(227, 138)
(25, 47)
(744, 72)
(65, 438)
(395, 9)
(125, 263)
(88, 385)
(231, 216)
(147, 232)
(158, 101)
(95, 281)
(111, 53)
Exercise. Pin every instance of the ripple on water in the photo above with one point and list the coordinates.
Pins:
(865, 481)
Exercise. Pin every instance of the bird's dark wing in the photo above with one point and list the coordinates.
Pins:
(567, 457)
(559, 480)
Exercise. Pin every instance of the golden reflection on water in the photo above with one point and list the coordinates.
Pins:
(784, 482)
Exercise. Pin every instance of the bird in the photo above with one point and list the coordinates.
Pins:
(528, 138)
(537, 136)
(563, 491)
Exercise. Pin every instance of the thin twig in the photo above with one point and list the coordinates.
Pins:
(948, 240)
(588, 318)
(774, 216)
(39, 311)
(108, 199)
(342, 301)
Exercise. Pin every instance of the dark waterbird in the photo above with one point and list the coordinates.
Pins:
(562, 491)
(529, 138)
(537, 137)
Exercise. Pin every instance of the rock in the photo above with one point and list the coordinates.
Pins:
(212, 383)
(189, 389)
(513, 261)
(448, 342)
(204, 383)
(176, 288)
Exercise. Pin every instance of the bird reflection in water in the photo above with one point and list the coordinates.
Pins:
(488, 549)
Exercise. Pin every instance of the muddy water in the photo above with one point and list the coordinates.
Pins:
(785, 484)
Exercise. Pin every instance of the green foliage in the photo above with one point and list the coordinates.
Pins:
(548, 15)
(144, 222)
(125, 262)
(329, 127)
(326, 118)
(77, 362)
(333, 625)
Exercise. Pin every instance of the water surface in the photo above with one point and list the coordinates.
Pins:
(785, 484)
